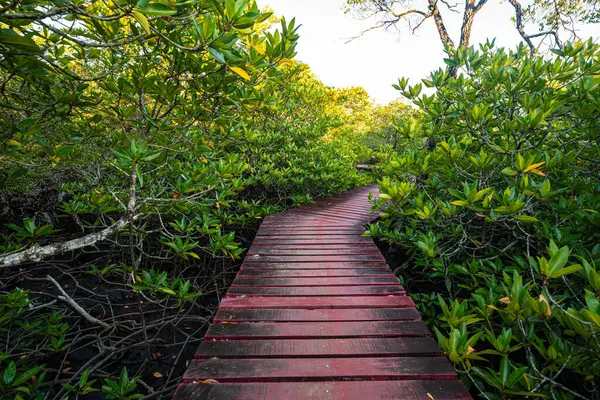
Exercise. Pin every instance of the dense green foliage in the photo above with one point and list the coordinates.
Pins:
(159, 133)
(494, 200)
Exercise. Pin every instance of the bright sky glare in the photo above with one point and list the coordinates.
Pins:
(376, 60)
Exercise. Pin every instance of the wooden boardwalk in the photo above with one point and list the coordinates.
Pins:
(315, 313)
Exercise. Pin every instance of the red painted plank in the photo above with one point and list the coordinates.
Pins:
(273, 370)
(310, 229)
(325, 315)
(310, 235)
(313, 273)
(350, 209)
(296, 241)
(299, 217)
(338, 211)
(282, 224)
(313, 232)
(257, 248)
(332, 211)
(318, 252)
(340, 217)
(330, 265)
(332, 258)
(343, 211)
(311, 330)
(319, 302)
(239, 291)
(331, 390)
(371, 347)
(343, 281)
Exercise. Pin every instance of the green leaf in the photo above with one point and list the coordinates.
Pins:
(140, 177)
(504, 370)
(167, 291)
(141, 18)
(11, 38)
(244, 22)
(450, 62)
(121, 155)
(509, 171)
(216, 55)
(16, 22)
(139, 286)
(65, 151)
(526, 218)
(566, 271)
(558, 260)
(230, 8)
(158, 10)
(9, 373)
(17, 173)
(152, 156)
(546, 188)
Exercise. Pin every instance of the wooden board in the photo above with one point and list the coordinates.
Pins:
(330, 390)
(311, 330)
(319, 258)
(315, 313)
(316, 291)
(299, 369)
(329, 265)
(313, 273)
(273, 251)
(308, 302)
(257, 248)
(365, 347)
(294, 241)
(332, 281)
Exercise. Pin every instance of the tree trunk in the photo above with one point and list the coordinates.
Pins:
(471, 8)
(439, 23)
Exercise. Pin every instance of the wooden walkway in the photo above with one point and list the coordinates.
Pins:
(315, 313)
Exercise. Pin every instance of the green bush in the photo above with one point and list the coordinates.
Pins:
(494, 200)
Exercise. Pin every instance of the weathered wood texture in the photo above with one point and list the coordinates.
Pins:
(316, 313)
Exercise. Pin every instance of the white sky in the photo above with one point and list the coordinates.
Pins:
(376, 60)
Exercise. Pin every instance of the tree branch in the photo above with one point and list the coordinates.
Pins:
(67, 299)
(439, 23)
(520, 27)
(397, 17)
(38, 253)
(471, 9)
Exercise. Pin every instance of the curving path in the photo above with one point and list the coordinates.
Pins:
(315, 313)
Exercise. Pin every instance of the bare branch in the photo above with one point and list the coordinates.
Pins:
(398, 17)
(38, 253)
(67, 299)
(519, 24)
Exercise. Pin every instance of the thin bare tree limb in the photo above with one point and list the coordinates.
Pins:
(520, 27)
(69, 300)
